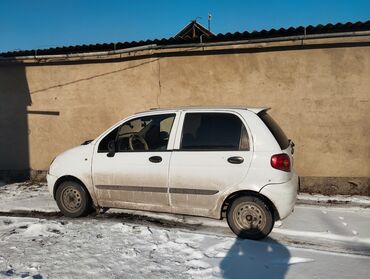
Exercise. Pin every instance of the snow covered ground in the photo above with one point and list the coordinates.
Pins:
(26, 196)
(314, 242)
(90, 248)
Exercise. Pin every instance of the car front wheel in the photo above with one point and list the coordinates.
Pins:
(72, 199)
(249, 217)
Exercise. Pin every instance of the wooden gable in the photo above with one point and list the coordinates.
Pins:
(194, 30)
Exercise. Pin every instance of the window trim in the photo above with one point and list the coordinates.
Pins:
(137, 116)
(180, 133)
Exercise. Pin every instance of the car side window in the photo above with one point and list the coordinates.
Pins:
(103, 145)
(213, 131)
(146, 133)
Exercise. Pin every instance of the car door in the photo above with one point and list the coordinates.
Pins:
(211, 154)
(137, 172)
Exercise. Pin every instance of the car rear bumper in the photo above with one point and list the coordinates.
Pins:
(51, 179)
(282, 195)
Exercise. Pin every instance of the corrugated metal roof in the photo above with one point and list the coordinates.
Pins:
(262, 34)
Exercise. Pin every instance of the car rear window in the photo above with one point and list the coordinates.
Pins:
(275, 129)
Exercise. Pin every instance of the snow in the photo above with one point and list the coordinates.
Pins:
(26, 196)
(90, 248)
(314, 242)
(324, 236)
(293, 260)
(35, 230)
(340, 199)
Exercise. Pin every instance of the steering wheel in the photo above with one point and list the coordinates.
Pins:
(139, 138)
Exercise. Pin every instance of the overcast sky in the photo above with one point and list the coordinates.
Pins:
(32, 24)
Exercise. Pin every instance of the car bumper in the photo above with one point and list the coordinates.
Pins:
(51, 179)
(282, 195)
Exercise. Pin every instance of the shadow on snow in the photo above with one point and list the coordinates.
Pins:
(256, 259)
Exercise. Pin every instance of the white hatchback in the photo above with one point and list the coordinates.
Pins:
(214, 162)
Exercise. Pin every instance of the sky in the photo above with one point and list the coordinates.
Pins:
(35, 24)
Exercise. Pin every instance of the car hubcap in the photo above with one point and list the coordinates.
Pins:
(249, 216)
(71, 199)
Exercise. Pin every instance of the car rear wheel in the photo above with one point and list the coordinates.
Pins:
(249, 217)
(72, 199)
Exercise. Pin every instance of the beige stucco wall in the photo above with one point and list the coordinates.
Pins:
(319, 96)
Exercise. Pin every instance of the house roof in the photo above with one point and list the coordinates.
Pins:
(194, 30)
(178, 40)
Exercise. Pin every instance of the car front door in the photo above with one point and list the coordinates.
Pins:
(136, 174)
(211, 154)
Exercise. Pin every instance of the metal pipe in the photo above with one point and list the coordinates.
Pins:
(85, 54)
(269, 40)
(209, 44)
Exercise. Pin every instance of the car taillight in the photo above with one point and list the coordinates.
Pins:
(281, 162)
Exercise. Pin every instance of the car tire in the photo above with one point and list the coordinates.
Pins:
(73, 200)
(250, 218)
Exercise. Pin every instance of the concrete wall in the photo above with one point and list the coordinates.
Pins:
(318, 93)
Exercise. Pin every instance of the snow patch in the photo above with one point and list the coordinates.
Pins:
(198, 264)
(355, 200)
(219, 250)
(292, 260)
(323, 235)
(278, 224)
(39, 229)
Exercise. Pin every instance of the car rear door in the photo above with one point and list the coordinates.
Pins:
(211, 154)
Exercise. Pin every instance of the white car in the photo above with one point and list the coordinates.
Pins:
(214, 162)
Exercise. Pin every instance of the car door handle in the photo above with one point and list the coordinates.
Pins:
(235, 160)
(155, 159)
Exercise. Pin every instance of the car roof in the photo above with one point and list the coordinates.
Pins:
(190, 108)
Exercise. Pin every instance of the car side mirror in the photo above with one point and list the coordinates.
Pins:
(111, 148)
(164, 135)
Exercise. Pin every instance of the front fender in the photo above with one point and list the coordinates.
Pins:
(74, 163)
